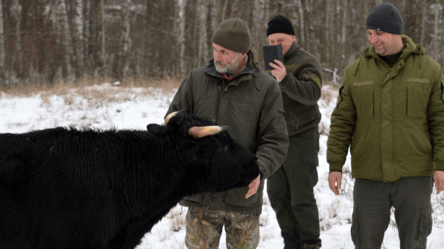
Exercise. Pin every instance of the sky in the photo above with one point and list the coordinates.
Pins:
(137, 107)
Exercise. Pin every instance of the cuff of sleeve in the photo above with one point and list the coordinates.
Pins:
(284, 80)
(337, 168)
(262, 170)
(439, 166)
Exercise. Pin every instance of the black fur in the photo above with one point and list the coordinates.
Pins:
(66, 188)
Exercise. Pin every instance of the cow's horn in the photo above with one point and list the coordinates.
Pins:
(203, 131)
(170, 116)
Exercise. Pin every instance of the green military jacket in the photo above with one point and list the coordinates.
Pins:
(251, 106)
(393, 118)
(301, 90)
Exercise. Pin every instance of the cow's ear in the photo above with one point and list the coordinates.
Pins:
(157, 129)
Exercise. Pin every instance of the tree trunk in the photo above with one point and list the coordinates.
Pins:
(66, 39)
(258, 31)
(437, 10)
(102, 40)
(301, 21)
(126, 39)
(78, 21)
(203, 44)
(344, 31)
(18, 56)
(181, 37)
(2, 43)
(423, 21)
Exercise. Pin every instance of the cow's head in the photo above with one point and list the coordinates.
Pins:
(213, 160)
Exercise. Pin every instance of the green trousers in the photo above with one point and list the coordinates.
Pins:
(290, 190)
(373, 200)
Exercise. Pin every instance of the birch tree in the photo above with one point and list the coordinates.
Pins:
(16, 11)
(437, 9)
(257, 30)
(126, 39)
(66, 39)
(102, 37)
(2, 42)
(181, 34)
(78, 23)
(203, 44)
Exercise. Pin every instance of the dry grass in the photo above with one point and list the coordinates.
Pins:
(85, 87)
(329, 92)
(177, 217)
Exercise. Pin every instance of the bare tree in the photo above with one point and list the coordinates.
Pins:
(79, 51)
(182, 4)
(202, 24)
(16, 11)
(126, 39)
(65, 35)
(437, 9)
(2, 42)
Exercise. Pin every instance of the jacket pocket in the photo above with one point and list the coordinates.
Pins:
(417, 101)
(425, 227)
(355, 226)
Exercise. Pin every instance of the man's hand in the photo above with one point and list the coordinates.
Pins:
(334, 181)
(438, 178)
(252, 188)
(279, 70)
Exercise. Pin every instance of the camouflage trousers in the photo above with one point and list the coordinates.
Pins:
(204, 228)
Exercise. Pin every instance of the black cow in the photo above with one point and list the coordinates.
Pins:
(66, 188)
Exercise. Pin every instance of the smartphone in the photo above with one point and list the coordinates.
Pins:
(271, 53)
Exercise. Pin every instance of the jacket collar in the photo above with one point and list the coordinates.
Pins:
(409, 48)
(293, 49)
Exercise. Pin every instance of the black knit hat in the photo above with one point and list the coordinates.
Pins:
(280, 24)
(385, 17)
(234, 35)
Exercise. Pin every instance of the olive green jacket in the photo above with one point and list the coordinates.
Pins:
(393, 118)
(251, 106)
(301, 90)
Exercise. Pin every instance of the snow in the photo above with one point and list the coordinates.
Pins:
(134, 108)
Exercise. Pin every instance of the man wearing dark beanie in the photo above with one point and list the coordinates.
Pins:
(231, 91)
(390, 113)
(290, 188)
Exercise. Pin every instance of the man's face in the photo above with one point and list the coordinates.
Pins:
(227, 61)
(385, 43)
(285, 39)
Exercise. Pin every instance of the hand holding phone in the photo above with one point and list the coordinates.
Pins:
(271, 53)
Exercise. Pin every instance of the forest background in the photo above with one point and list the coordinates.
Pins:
(49, 41)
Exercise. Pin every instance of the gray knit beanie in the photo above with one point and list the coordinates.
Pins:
(234, 35)
(385, 17)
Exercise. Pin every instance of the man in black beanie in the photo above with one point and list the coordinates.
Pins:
(290, 188)
(390, 114)
(230, 91)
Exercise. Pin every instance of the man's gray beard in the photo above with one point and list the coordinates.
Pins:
(221, 70)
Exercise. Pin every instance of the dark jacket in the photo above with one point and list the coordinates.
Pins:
(251, 105)
(301, 90)
(393, 118)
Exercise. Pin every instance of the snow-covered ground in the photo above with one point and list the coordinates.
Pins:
(134, 108)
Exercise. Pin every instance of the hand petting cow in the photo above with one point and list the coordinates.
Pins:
(68, 188)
